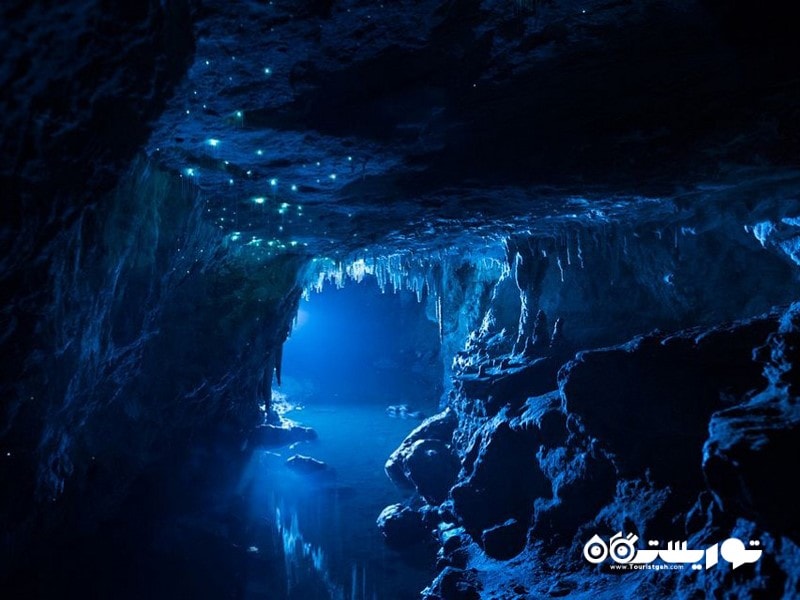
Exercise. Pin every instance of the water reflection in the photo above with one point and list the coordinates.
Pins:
(325, 522)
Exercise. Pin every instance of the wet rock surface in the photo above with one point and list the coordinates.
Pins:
(665, 433)
(762, 431)
(432, 467)
(402, 526)
(436, 432)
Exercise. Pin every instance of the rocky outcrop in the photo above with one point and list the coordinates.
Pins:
(411, 463)
(307, 465)
(666, 435)
(753, 445)
(402, 526)
(501, 477)
(650, 400)
(456, 584)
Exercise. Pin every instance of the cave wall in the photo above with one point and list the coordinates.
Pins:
(132, 332)
(663, 435)
(156, 338)
(609, 282)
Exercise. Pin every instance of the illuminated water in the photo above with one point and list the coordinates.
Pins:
(353, 352)
(327, 524)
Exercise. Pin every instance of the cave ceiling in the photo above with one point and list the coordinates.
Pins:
(357, 126)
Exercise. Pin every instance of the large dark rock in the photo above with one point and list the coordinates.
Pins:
(454, 584)
(438, 428)
(649, 401)
(502, 477)
(584, 480)
(432, 467)
(402, 526)
(506, 540)
(510, 382)
(753, 447)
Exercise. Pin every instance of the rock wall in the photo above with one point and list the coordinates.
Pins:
(665, 436)
(132, 334)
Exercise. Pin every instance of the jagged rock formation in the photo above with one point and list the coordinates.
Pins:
(664, 436)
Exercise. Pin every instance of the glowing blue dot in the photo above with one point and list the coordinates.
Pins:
(285, 205)
(259, 200)
(267, 71)
(317, 163)
(189, 172)
(293, 243)
(208, 62)
(239, 114)
(332, 176)
(230, 181)
(212, 142)
(294, 188)
(273, 182)
(249, 172)
(187, 111)
(350, 158)
(259, 152)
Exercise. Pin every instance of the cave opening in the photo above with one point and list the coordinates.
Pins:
(361, 368)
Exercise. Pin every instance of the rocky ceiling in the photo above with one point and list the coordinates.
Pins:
(355, 124)
(344, 125)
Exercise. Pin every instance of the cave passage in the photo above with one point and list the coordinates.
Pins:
(361, 367)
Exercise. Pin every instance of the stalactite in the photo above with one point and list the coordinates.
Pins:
(440, 317)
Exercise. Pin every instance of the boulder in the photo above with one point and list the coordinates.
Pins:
(506, 540)
(432, 467)
(763, 431)
(649, 401)
(454, 584)
(503, 477)
(439, 427)
(401, 526)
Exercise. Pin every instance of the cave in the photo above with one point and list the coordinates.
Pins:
(322, 300)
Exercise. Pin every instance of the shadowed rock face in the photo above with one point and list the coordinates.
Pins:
(169, 170)
(752, 444)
